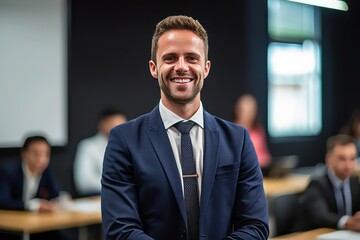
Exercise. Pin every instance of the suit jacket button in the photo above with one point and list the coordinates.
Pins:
(183, 234)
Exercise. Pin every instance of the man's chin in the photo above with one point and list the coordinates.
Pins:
(184, 100)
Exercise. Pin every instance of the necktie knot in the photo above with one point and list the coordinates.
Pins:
(184, 127)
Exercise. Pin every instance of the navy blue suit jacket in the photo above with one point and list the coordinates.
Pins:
(11, 186)
(141, 188)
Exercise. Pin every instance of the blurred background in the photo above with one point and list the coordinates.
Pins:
(301, 62)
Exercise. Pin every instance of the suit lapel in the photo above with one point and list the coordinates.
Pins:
(330, 192)
(162, 147)
(211, 152)
(20, 181)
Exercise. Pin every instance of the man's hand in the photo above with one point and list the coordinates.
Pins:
(47, 206)
(353, 223)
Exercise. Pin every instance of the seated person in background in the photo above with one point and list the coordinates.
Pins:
(29, 184)
(352, 128)
(246, 114)
(332, 200)
(90, 153)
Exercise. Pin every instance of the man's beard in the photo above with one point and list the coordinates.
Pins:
(180, 100)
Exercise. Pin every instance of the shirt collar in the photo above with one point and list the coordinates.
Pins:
(335, 180)
(169, 118)
(27, 172)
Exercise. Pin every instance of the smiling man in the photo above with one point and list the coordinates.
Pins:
(157, 186)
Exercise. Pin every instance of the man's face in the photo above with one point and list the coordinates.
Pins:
(246, 110)
(37, 156)
(181, 67)
(342, 160)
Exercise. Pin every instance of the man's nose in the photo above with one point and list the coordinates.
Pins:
(181, 65)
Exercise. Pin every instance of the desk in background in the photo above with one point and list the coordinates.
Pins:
(26, 223)
(307, 235)
(291, 183)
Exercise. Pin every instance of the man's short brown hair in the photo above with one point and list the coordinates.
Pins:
(179, 22)
(340, 139)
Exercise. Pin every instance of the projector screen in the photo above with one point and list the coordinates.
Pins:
(33, 71)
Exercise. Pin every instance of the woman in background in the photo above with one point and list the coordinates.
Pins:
(246, 114)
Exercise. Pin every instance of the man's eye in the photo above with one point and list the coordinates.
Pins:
(169, 59)
(192, 59)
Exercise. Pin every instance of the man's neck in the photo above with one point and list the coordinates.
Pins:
(183, 110)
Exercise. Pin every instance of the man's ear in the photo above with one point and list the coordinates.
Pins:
(153, 69)
(327, 159)
(207, 68)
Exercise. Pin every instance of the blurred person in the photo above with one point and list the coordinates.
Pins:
(352, 128)
(90, 153)
(332, 199)
(246, 114)
(145, 184)
(29, 184)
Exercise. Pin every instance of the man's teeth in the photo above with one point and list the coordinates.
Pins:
(181, 80)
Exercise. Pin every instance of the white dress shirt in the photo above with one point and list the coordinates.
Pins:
(337, 183)
(88, 164)
(31, 185)
(196, 134)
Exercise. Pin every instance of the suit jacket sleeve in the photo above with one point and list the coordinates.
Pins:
(11, 182)
(121, 218)
(250, 208)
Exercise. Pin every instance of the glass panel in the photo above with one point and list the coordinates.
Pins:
(294, 89)
(290, 20)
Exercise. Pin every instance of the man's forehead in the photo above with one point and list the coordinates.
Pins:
(344, 149)
(180, 36)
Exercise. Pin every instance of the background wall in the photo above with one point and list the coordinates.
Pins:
(109, 50)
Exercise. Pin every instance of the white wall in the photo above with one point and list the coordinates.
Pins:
(33, 70)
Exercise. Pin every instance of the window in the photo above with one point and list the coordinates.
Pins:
(294, 70)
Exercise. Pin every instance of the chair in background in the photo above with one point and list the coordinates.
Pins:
(285, 211)
(281, 166)
(315, 170)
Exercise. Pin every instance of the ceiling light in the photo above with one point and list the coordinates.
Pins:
(334, 4)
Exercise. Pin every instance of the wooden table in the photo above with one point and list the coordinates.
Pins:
(291, 183)
(26, 223)
(307, 235)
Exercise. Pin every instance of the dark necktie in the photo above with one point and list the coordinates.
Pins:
(190, 179)
(344, 212)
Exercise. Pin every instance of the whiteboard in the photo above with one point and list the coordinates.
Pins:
(33, 71)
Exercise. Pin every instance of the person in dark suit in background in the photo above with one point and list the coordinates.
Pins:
(332, 200)
(142, 183)
(29, 185)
